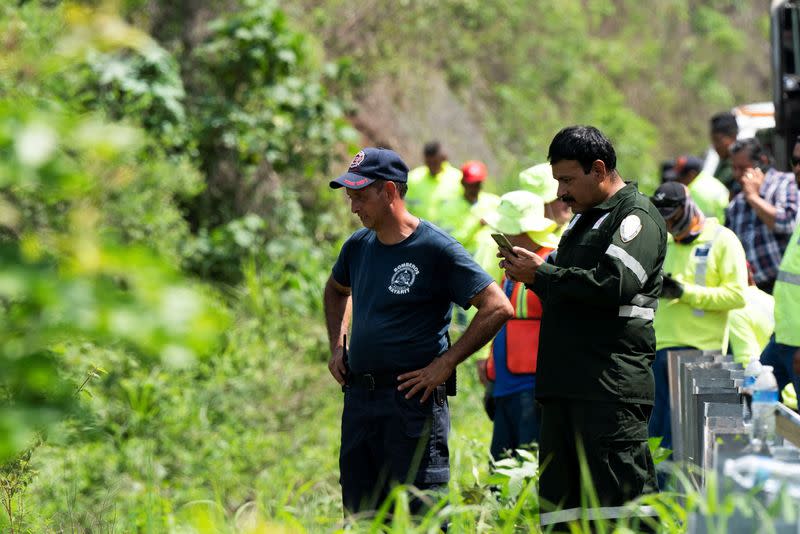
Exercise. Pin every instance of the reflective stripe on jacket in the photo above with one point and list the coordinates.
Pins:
(598, 294)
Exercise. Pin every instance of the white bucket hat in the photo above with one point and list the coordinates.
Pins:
(523, 212)
(539, 180)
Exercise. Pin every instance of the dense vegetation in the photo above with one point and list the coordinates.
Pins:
(166, 229)
(649, 73)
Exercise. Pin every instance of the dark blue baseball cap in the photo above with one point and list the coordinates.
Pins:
(372, 164)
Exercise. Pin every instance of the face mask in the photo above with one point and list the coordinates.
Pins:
(690, 224)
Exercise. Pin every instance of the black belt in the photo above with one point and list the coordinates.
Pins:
(373, 380)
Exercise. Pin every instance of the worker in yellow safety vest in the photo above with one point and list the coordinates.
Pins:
(710, 195)
(751, 327)
(783, 350)
(706, 275)
(462, 217)
(432, 184)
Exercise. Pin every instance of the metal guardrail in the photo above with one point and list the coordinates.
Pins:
(787, 424)
(675, 361)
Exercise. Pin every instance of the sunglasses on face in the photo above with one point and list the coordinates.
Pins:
(795, 161)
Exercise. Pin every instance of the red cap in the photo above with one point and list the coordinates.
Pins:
(473, 172)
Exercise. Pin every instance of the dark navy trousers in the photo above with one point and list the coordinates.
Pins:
(388, 440)
(516, 423)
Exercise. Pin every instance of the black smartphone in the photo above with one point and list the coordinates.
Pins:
(503, 242)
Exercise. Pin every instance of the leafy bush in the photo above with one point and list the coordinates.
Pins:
(260, 114)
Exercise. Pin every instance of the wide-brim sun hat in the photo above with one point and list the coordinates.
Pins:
(546, 239)
(520, 212)
(539, 181)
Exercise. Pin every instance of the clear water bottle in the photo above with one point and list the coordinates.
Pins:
(751, 471)
(765, 399)
(751, 372)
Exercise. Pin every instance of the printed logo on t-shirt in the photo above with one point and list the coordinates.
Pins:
(403, 278)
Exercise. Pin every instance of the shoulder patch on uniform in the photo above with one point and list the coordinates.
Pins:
(630, 228)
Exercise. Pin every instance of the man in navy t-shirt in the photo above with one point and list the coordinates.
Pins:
(398, 279)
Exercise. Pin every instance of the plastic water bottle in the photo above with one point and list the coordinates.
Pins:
(765, 398)
(751, 372)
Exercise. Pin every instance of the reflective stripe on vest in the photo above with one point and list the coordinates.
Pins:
(522, 302)
(701, 271)
(789, 278)
(787, 294)
(593, 514)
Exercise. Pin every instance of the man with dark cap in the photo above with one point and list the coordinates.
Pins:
(398, 277)
(706, 278)
(710, 195)
(596, 346)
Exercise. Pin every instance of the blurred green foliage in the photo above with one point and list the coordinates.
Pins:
(649, 74)
(157, 208)
(71, 270)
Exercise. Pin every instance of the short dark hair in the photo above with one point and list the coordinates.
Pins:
(584, 144)
(755, 152)
(402, 187)
(725, 123)
(432, 148)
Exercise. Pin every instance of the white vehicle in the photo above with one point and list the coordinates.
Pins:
(754, 120)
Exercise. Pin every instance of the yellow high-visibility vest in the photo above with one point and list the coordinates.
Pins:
(713, 271)
(427, 193)
(787, 294)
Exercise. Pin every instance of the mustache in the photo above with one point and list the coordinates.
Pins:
(566, 198)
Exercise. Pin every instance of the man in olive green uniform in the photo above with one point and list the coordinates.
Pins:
(724, 130)
(599, 292)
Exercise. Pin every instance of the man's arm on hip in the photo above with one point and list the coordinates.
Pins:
(337, 303)
(494, 310)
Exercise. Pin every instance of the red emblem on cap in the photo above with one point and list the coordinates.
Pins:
(355, 184)
(358, 159)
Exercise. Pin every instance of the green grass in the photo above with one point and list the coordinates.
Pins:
(248, 442)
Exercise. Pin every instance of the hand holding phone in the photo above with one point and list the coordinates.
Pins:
(504, 243)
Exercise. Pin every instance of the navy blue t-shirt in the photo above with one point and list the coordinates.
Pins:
(403, 295)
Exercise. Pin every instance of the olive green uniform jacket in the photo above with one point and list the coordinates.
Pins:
(599, 292)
